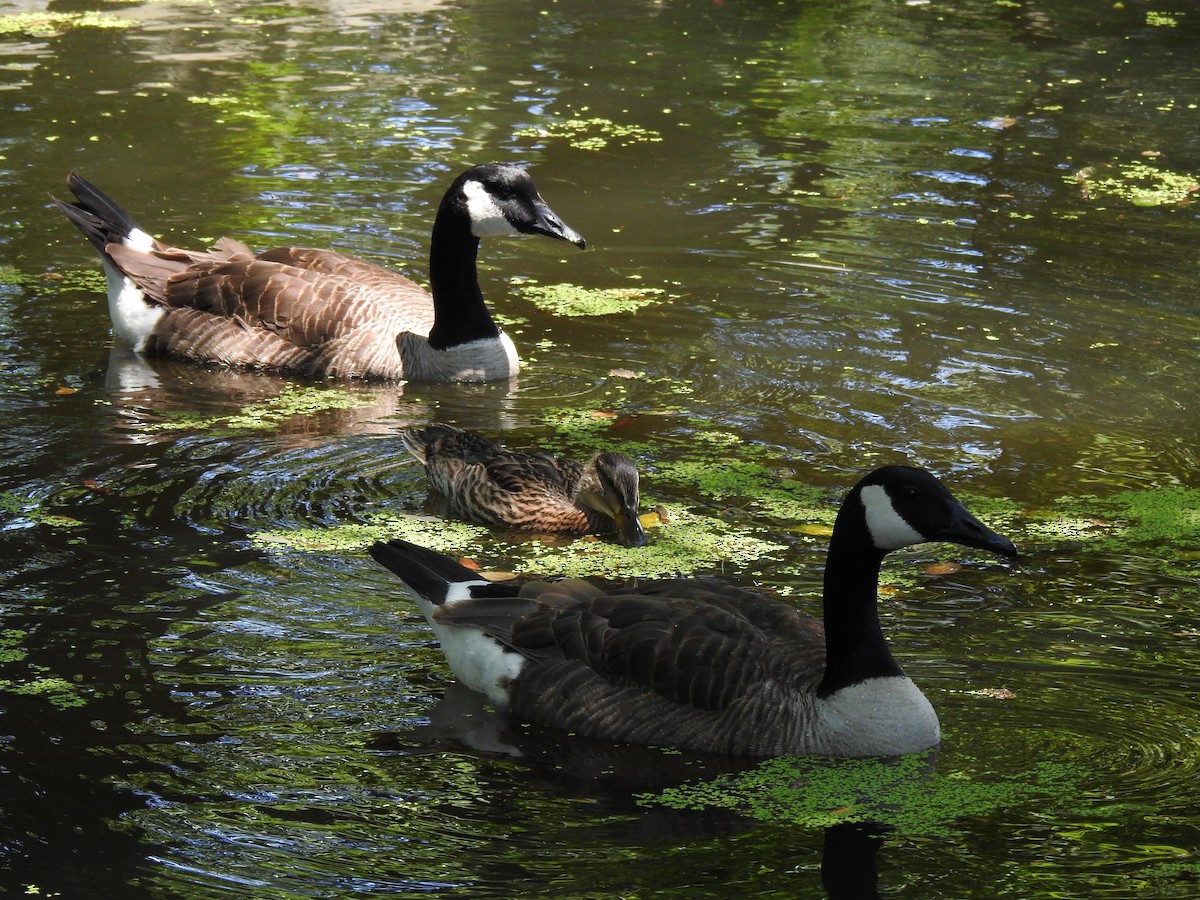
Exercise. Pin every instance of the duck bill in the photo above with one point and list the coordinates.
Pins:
(547, 222)
(967, 530)
(630, 529)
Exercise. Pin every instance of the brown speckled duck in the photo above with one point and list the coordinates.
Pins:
(489, 484)
(701, 665)
(318, 312)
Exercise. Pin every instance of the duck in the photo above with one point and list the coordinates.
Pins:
(320, 313)
(486, 483)
(699, 664)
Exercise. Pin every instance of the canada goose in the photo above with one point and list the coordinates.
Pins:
(486, 483)
(318, 312)
(699, 665)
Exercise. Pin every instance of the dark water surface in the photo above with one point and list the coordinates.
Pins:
(885, 232)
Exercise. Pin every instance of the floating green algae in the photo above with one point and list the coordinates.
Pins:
(592, 133)
(1166, 516)
(752, 481)
(10, 645)
(89, 280)
(574, 301)
(236, 105)
(1139, 183)
(903, 793)
(32, 511)
(690, 543)
(58, 692)
(52, 24)
(1157, 19)
(269, 414)
(444, 535)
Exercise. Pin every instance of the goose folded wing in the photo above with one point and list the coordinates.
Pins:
(305, 308)
(330, 262)
(686, 650)
(153, 270)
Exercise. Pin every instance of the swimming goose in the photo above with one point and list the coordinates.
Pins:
(486, 483)
(318, 312)
(697, 664)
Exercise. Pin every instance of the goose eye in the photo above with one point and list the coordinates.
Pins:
(908, 491)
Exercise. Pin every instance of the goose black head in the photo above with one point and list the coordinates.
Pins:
(904, 505)
(503, 200)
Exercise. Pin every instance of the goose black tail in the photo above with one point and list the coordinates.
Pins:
(428, 573)
(100, 219)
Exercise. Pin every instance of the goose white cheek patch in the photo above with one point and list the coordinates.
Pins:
(888, 529)
(486, 218)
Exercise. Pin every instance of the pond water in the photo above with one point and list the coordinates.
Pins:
(960, 235)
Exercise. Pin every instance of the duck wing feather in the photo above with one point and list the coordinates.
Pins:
(520, 491)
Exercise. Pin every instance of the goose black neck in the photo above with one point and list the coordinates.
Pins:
(459, 313)
(854, 646)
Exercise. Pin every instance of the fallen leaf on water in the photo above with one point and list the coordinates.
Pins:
(815, 529)
(467, 563)
(651, 519)
(995, 693)
(943, 568)
(499, 576)
(93, 485)
(63, 391)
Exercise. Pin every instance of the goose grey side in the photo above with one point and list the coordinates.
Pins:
(489, 484)
(319, 312)
(697, 664)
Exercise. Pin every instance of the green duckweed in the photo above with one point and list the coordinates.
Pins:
(591, 133)
(1139, 183)
(52, 24)
(269, 414)
(904, 793)
(571, 300)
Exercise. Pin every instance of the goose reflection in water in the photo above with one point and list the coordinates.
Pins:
(613, 776)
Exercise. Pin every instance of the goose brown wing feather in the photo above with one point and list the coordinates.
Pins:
(330, 262)
(305, 304)
(305, 307)
(201, 337)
